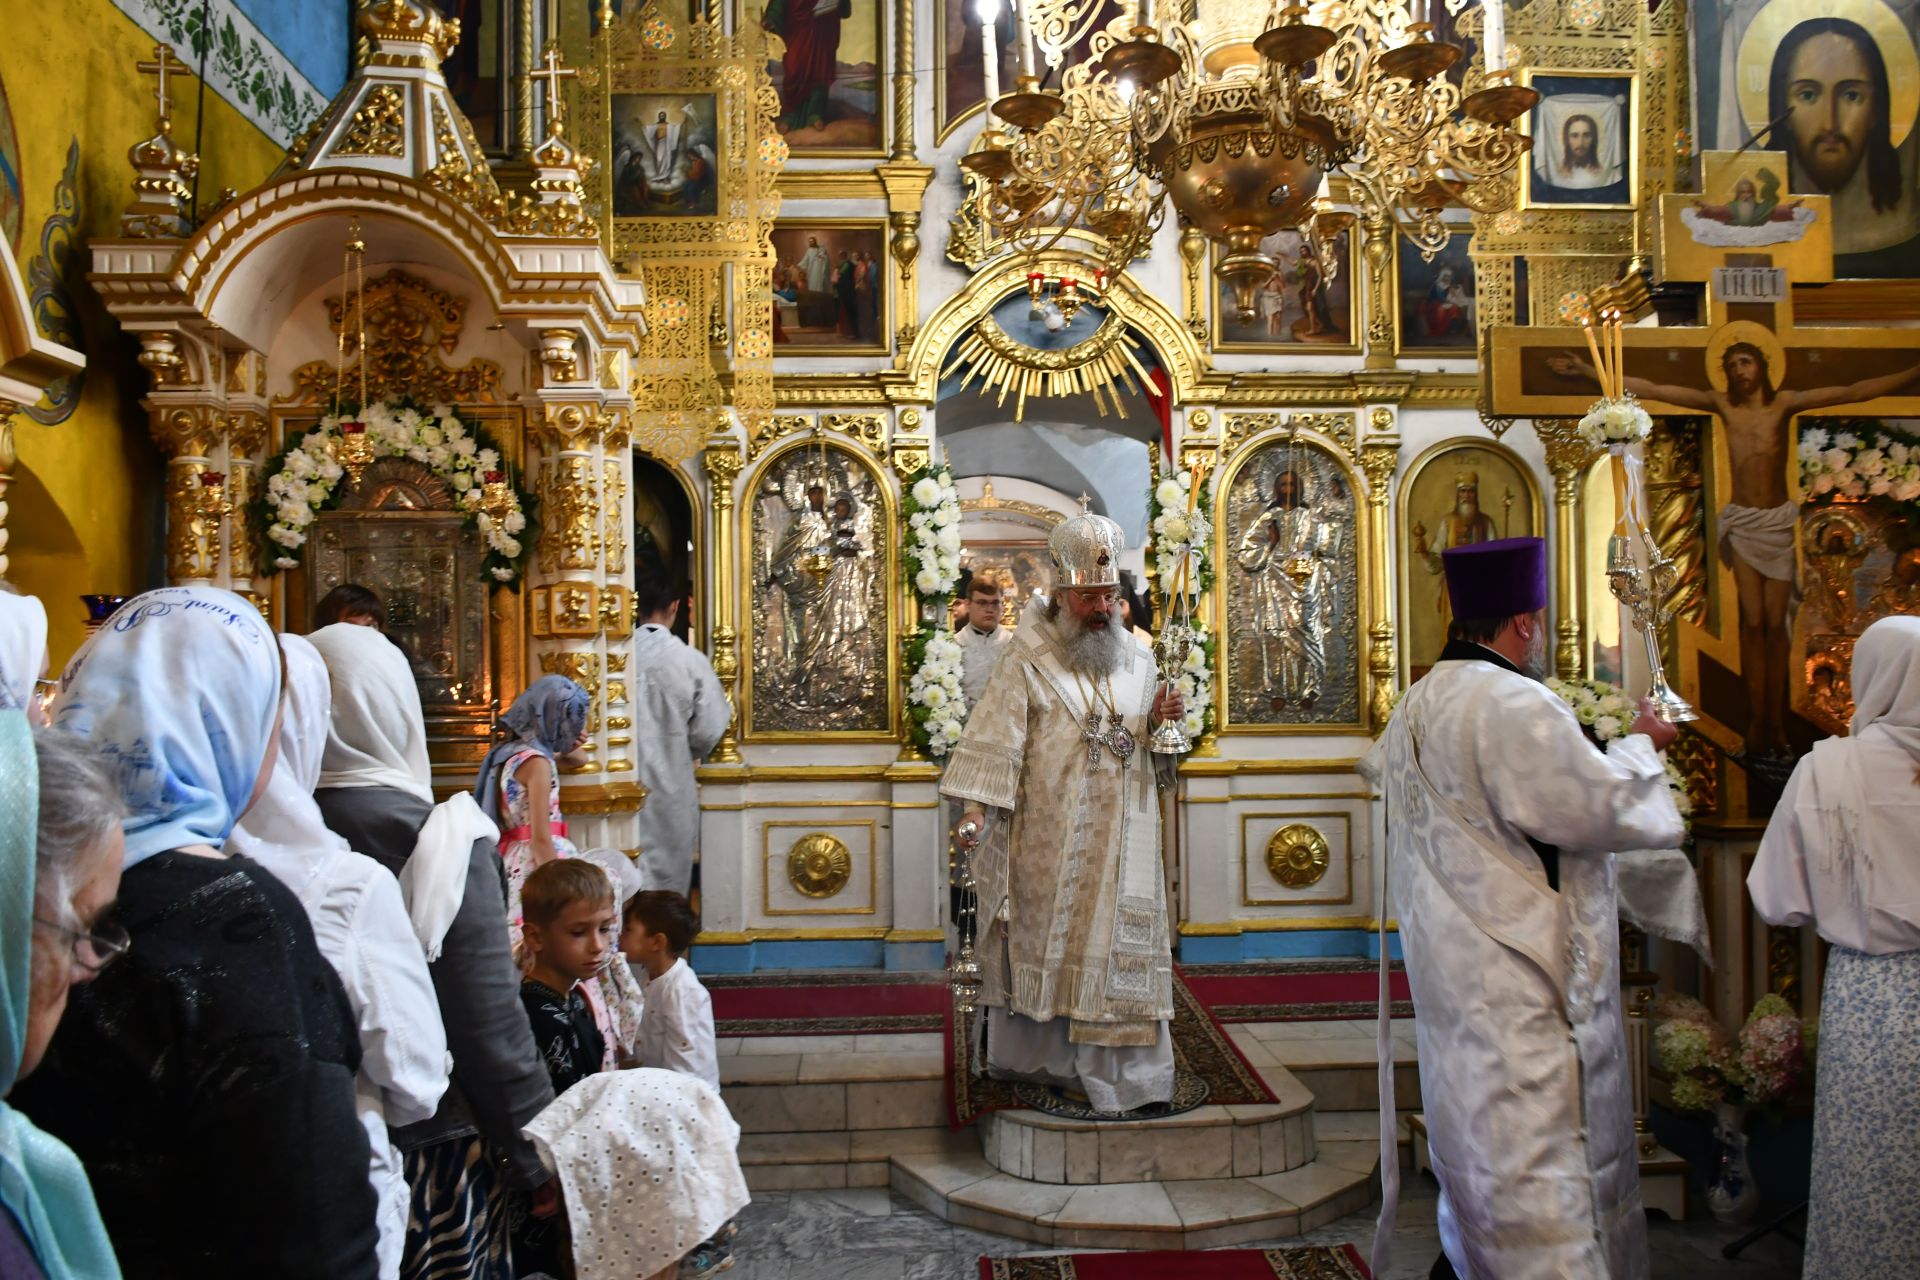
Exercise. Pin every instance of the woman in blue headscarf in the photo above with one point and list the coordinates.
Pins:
(520, 778)
(59, 866)
(207, 1079)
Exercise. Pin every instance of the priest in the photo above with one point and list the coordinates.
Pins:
(1501, 819)
(1059, 803)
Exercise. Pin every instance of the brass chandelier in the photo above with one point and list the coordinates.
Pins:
(1237, 112)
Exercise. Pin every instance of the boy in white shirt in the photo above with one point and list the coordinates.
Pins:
(676, 1018)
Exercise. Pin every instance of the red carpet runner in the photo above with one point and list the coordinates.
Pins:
(1295, 990)
(1318, 1262)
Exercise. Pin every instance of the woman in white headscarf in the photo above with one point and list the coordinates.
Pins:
(23, 652)
(360, 921)
(377, 792)
(1840, 854)
(206, 1079)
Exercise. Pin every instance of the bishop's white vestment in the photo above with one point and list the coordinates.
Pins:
(1077, 970)
(1516, 987)
(679, 714)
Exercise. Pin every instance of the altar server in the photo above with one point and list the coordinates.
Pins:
(1501, 819)
(679, 714)
(983, 640)
(1060, 800)
(1840, 855)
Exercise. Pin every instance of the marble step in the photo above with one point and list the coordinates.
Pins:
(1336, 1060)
(851, 1158)
(1201, 1213)
(1204, 1143)
(834, 1084)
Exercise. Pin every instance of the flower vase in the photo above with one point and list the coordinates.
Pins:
(1731, 1193)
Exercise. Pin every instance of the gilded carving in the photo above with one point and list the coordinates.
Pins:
(819, 865)
(613, 493)
(378, 128)
(1241, 427)
(870, 429)
(569, 534)
(1297, 856)
(410, 326)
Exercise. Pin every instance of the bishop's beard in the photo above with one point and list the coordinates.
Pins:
(1092, 651)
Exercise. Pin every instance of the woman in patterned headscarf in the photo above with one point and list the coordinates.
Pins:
(520, 778)
(207, 1079)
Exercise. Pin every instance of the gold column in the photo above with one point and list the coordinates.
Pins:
(909, 454)
(1568, 457)
(1378, 458)
(194, 519)
(902, 84)
(522, 71)
(906, 248)
(246, 437)
(1379, 235)
(567, 594)
(723, 462)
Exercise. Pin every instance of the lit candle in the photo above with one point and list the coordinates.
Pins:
(1593, 349)
(1493, 37)
(989, 11)
(1619, 354)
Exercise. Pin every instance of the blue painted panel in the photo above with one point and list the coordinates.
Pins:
(916, 956)
(805, 953)
(1287, 945)
(314, 34)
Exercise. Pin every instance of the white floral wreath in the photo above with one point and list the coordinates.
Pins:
(1608, 712)
(311, 472)
(933, 565)
(1182, 527)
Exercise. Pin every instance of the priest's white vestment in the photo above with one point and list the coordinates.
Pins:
(1516, 987)
(982, 652)
(1077, 970)
(679, 714)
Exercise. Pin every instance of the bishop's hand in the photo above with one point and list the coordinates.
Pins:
(972, 825)
(1662, 732)
(1169, 705)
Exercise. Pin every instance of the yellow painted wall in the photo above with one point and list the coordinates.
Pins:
(86, 509)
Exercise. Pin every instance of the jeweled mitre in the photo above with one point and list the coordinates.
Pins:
(1086, 551)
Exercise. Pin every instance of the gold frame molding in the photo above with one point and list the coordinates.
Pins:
(1401, 351)
(742, 588)
(1356, 311)
(747, 17)
(1633, 139)
(883, 343)
(1403, 522)
(824, 826)
(1305, 429)
(1247, 852)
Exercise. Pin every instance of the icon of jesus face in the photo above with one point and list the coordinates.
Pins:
(1832, 91)
(1286, 489)
(1581, 138)
(1743, 369)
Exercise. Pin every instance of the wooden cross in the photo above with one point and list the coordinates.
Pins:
(163, 64)
(1749, 367)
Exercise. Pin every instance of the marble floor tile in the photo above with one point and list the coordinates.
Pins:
(796, 1044)
(901, 1042)
(871, 1065)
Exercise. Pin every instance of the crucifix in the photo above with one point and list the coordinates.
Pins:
(1751, 369)
(551, 72)
(163, 65)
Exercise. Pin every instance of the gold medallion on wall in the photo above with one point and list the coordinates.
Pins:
(1297, 856)
(819, 865)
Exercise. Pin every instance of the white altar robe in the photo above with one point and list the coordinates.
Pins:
(1516, 988)
(679, 713)
(982, 654)
(1072, 898)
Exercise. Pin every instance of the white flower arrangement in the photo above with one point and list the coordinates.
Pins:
(1606, 712)
(931, 549)
(1180, 521)
(935, 687)
(309, 474)
(1615, 422)
(1862, 463)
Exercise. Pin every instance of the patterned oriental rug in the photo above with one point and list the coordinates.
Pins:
(1295, 990)
(1199, 1047)
(827, 1004)
(1317, 1262)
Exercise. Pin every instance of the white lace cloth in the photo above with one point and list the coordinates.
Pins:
(648, 1167)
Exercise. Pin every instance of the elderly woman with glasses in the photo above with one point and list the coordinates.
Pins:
(60, 849)
(206, 1080)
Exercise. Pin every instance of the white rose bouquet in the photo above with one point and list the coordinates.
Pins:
(305, 480)
(1606, 712)
(1868, 461)
(931, 549)
(1615, 422)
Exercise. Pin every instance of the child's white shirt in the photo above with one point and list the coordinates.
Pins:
(676, 1024)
